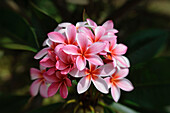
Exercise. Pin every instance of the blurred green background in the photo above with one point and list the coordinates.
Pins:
(144, 26)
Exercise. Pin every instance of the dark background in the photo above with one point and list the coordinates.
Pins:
(144, 26)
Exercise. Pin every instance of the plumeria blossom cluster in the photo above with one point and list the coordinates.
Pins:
(85, 51)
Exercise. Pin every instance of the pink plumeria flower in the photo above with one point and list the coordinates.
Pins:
(59, 81)
(84, 52)
(98, 36)
(108, 25)
(39, 83)
(93, 74)
(65, 63)
(50, 62)
(61, 27)
(117, 82)
(60, 38)
(115, 52)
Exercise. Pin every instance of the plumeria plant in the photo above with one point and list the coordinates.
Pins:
(84, 52)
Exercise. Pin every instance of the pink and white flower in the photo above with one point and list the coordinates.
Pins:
(40, 82)
(59, 81)
(93, 74)
(83, 52)
(117, 82)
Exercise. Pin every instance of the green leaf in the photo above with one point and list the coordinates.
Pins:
(17, 29)
(42, 22)
(144, 45)
(12, 103)
(152, 84)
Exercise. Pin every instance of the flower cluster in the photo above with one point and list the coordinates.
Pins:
(86, 51)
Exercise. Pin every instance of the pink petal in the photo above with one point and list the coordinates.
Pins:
(122, 61)
(64, 24)
(77, 73)
(120, 49)
(71, 33)
(107, 80)
(83, 84)
(99, 32)
(92, 67)
(108, 25)
(94, 59)
(91, 23)
(57, 37)
(115, 92)
(82, 41)
(113, 43)
(35, 87)
(43, 90)
(68, 82)
(63, 91)
(121, 73)
(101, 85)
(71, 49)
(105, 70)
(107, 38)
(81, 62)
(88, 33)
(35, 73)
(50, 78)
(52, 90)
(66, 71)
(51, 71)
(63, 56)
(57, 48)
(96, 48)
(125, 85)
(41, 53)
(80, 24)
(61, 65)
(47, 62)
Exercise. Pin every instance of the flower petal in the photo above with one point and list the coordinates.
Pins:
(99, 32)
(82, 41)
(100, 84)
(91, 23)
(68, 82)
(122, 61)
(71, 33)
(96, 48)
(107, 80)
(108, 25)
(63, 91)
(66, 71)
(57, 37)
(125, 85)
(43, 90)
(52, 90)
(81, 62)
(94, 59)
(47, 62)
(115, 92)
(77, 73)
(64, 24)
(71, 49)
(105, 70)
(88, 33)
(120, 49)
(35, 87)
(51, 71)
(41, 53)
(60, 65)
(121, 73)
(50, 78)
(35, 73)
(83, 84)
